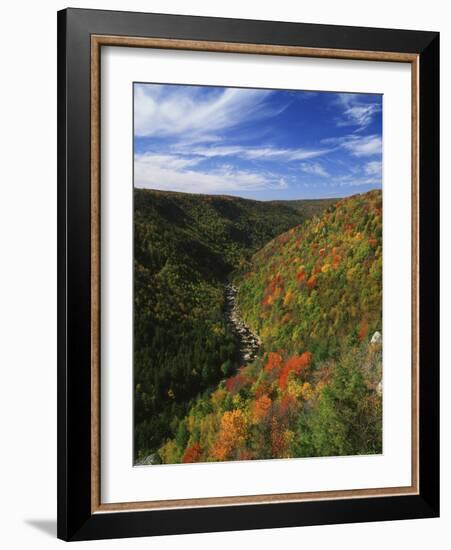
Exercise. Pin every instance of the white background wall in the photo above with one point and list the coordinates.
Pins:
(28, 271)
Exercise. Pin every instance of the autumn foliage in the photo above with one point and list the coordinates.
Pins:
(192, 453)
(295, 365)
(314, 297)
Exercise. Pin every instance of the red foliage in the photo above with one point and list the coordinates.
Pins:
(296, 364)
(274, 362)
(192, 453)
(363, 330)
(311, 283)
(301, 276)
(262, 389)
(245, 454)
(278, 443)
(286, 405)
(235, 383)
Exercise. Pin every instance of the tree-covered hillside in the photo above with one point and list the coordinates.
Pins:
(307, 207)
(314, 296)
(319, 284)
(185, 247)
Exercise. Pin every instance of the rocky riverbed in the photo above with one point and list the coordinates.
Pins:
(249, 342)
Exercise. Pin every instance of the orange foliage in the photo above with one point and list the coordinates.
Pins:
(277, 292)
(288, 297)
(261, 407)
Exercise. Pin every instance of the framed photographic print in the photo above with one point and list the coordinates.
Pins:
(248, 274)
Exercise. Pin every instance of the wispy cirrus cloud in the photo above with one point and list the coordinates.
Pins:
(253, 142)
(255, 153)
(315, 169)
(364, 146)
(358, 110)
(357, 181)
(373, 168)
(167, 172)
(193, 112)
(357, 145)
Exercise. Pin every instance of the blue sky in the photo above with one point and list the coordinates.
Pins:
(254, 143)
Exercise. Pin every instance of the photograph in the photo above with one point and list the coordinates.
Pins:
(257, 275)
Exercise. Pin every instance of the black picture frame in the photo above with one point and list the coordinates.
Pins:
(75, 518)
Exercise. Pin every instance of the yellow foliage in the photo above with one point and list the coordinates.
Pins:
(218, 396)
(288, 297)
(237, 401)
(307, 391)
(169, 453)
(288, 436)
(209, 426)
(294, 388)
(218, 329)
(232, 434)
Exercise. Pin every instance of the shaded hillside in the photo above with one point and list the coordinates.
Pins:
(185, 246)
(308, 207)
(314, 296)
(231, 227)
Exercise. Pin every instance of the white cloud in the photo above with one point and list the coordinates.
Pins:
(359, 146)
(356, 181)
(171, 162)
(192, 112)
(356, 110)
(364, 146)
(314, 168)
(373, 167)
(167, 172)
(254, 153)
